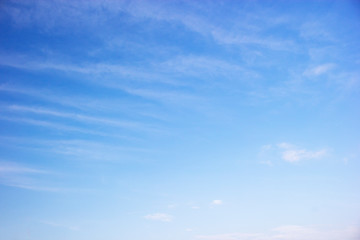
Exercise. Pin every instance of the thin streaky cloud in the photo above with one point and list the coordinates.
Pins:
(167, 72)
(163, 95)
(201, 66)
(35, 187)
(16, 175)
(83, 150)
(13, 167)
(30, 184)
(74, 142)
(94, 150)
(145, 74)
(204, 27)
(82, 103)
(76, 116)
(79, 103)
(86, 103)
(52, 125)
(161, 12)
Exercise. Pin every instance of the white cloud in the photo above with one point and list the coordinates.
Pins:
(159, 217)
(217, 202)
(291, 232)
(291, 153)
(319, 70)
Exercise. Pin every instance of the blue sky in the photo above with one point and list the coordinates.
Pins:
(182, 120)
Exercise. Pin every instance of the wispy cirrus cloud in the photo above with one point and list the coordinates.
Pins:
(76, 116)
(78, 14)
(288, 153)
(88, 104)
(22, 176)
(19, 176)
(144, 82)
(319, 69)
(145, 74)
(50, 96)
(12, 167)
(81, 149)
(240, 34)
(208, 67)
(164, 72)
(52, 125)
(98, 151)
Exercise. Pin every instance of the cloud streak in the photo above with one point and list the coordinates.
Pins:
(12, 167)
(52, 125)
(76, 116)
(16, 175)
